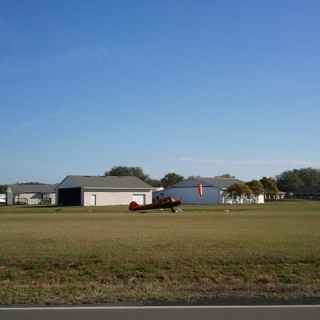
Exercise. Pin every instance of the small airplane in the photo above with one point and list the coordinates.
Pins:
(165, 203)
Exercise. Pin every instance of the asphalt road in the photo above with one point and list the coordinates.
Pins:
(167, 313)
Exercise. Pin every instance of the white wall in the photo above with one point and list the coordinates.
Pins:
(260, 199)
(105, 198)
(3, 198)
(34, 198)
(28, 198)
(244, 200)
(52, 197)
(190, 195)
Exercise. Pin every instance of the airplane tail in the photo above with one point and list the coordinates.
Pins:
(133, 206)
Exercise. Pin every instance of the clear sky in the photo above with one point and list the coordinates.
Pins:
(197, 87)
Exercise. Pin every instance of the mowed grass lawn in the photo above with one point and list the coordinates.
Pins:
(108, 255)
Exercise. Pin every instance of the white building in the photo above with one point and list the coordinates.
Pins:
(31, 194)
(213, 191)
(3, 198)
(102, 191)
(252, 199)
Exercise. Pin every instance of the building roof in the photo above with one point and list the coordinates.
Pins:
(33, 188)
(108, 182)
(218, 182)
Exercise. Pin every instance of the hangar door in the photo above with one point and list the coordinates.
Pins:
(139, 199)
(70, 197)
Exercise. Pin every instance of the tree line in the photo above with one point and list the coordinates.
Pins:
(266, 186)
(168, 180)
(304, 181)
(297, 181)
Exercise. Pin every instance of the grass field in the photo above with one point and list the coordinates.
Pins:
(108, 255)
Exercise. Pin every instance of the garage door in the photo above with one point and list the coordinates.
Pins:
(139, 198)
(70, 197)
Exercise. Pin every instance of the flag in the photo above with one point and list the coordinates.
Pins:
(200, 190)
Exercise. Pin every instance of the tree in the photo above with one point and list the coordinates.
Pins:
(30, 182)
(170, 179)
(290, 181)
(153, 182)
(226, 175)
(3, 189)
(311, 180)
(303, 181)
(138, 172)
(270, 187)
(239, 189)
(121, 171)
(256, 187)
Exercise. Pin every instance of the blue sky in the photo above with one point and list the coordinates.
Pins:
(196, 87)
